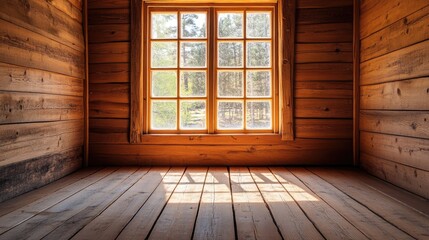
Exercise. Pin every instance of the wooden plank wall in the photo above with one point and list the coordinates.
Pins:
(323, 96)
(394, 80)
(41, 92)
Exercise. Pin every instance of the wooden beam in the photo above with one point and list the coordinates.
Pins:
(136, 111)
(356, 80)
(287, 66)
(86, 90)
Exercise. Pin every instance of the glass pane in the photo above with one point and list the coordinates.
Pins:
(258, 54)
(164, 114)
(230, 84)
(194, 25)
(193, 54)
(164, 25)
(258, 114)
(193, 114)
(258, 25)
(164, 84)
(164, 54)
(230, 54)
(258, 84)
(230, 115)
(192, 83)
(230, 25)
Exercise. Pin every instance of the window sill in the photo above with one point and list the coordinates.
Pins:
(212, 139)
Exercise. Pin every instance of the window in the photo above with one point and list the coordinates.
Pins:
(232, 97)
(210, 70)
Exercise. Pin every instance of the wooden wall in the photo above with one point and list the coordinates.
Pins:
(323, 96)
(394, 79)
(41, 92)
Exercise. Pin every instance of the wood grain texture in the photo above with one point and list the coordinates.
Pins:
(108, 16)
(403, 123)
(23, 79)
(324, 108)
(394, 91)
(178, 217)
(108, 4)
(23, 47)
(325, 32)
(113, 52)
(109, 33)
(46, 19)
(377, 14)
(407, 63)
(324, 15)
(328, 221)
(409, 30)
(32, 107)
(324, 89)
(35, 172)
(407, 151)
(215, 207)
(324, 72)
(324, 52)
(324, 128)
(41, 92)
(288, 36)
(109, 73)
(252, 217)
(141, 224)
(290, 218)
(298, 152)
(323, 4)
(357, 214)
(409, 94)
(412, 222)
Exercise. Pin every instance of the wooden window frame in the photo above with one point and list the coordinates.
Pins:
(284, 45)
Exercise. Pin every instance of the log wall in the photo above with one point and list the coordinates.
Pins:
(41, 92)
(394, 86)
(322, 88)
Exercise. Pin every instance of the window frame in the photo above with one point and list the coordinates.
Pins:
(282, 127)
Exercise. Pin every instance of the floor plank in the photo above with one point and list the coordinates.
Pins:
(216, 203)
(291, 220)
(178, 217)
(141, 224)
(110, 223)
(48, 220)
(418, 203)
(329, 222)
(26, 212)
(407, 219)
(215, 217)
(27, 198)
(370, 224)
(252, 217)
(70, 227)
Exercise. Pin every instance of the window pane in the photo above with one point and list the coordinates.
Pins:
(230, 115)
(230, 54)
(194, 25)
(230, 25)
(164, 84)
(258, 114)
(258, 84)
(258, 25)
(193, 54)
(258, 54)
(164, 114)
(164, 25)
(193, 114)
(164, 54)
(230, 84)
(192, 83)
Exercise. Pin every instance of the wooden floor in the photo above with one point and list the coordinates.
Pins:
(216, 203)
